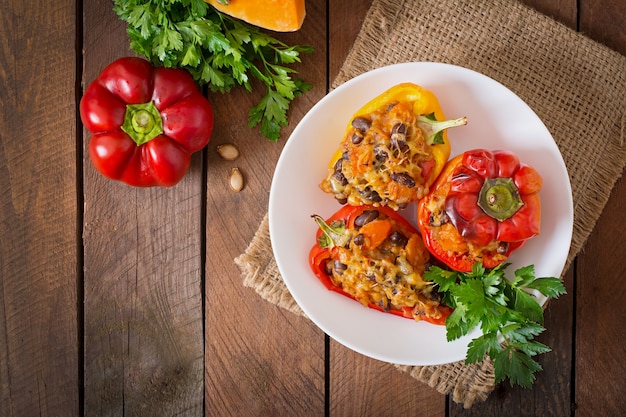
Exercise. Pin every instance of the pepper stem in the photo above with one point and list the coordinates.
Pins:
(499, 198)
(142, 122)
(433, 128)
(334, 234)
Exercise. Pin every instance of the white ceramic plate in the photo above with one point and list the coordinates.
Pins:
(498, 119)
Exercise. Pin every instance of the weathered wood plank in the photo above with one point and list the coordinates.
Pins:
(604, 21)
(600, 367)
(143, 270)
(600, 383)
(361, 386)
(345, 20)
(38, 211)
(260, 359)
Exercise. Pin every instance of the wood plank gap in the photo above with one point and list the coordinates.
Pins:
(573, 347)
(203, 255)
(80, 207)
(575, 272)
(328, 74)
(326, 375)
(326, 337)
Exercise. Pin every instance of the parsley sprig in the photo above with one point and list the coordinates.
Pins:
(218, 51)
(507, 313)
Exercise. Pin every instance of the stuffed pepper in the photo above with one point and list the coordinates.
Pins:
(375, 256)
(483, 206)
(393, 149)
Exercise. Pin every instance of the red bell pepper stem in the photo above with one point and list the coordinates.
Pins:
(142, 122)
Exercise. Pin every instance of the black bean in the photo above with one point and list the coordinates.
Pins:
(366, 192)
(328, 268)
(403, 178)
(361, 124)
(357, 138)
(502, 248)
(381, 154)
(384, 304)
(397, 238)
(375, 197)
(366, 217)
(359, 239)
(399, 128)
(433, 295)
(399, 144)
(338, 175)
(340, 268)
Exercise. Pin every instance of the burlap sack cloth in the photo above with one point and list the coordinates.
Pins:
(576, 86)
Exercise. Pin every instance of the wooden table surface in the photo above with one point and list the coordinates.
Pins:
(122, 301)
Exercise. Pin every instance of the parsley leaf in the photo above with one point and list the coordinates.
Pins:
(509, 316)
(218, 51)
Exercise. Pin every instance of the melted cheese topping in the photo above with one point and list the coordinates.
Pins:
(380, 165)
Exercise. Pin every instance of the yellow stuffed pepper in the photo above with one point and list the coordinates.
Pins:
(394, 148)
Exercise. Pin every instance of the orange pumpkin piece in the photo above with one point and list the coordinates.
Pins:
(277, 15)
(376, 232)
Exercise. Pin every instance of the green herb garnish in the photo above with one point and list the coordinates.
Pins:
(508, 315)
(218, 51)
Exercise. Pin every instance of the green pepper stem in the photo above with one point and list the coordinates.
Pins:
(142, 122)
(333, 234)
(500, 198)
(433, 128)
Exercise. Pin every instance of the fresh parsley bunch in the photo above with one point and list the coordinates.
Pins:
(508, 315)
(218, 51)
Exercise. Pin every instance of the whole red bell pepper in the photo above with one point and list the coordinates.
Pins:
(146, 122)
(483, 206)
(375, 256)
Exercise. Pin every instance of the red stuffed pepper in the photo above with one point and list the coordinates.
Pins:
(483, 206)
(373, 255)
(146, 122)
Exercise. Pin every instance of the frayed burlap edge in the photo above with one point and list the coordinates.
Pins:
(261, 273)
(587, 125)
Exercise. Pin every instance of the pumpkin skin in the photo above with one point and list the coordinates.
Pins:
(276, 15)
